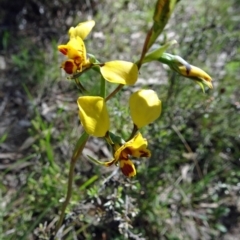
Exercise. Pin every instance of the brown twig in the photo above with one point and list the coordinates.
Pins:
(188, 149)
(118, 88)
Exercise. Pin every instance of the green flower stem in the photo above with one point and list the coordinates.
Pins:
(103, 88)
(78, 74)
(135, 129)
(117, 89)
(169, 59)
(80, 86)
(78, 150)
(108, 139)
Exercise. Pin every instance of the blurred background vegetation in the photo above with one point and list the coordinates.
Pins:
(189, 189)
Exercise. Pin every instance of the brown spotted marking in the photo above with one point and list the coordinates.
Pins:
(127, 169)
(188, 68)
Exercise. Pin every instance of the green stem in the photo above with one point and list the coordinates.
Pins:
(103, 88)
(74, 158)
(118, 88)
(80, 86)
(135, 129)
(78, 74)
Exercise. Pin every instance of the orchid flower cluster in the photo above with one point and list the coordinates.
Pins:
(144, 105)
(93, 111)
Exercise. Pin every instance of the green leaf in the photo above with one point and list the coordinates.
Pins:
(88, 182)
(163, 11)
(92, 58)
(157, 54)
(116, 139)
(3, 138)
(221, 228)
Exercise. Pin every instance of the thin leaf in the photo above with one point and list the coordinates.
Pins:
(157, 54)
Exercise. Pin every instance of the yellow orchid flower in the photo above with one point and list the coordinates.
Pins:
(76, 52)
(120, 72)
(81, 30)
(93, 115)
(136, 147)
(145, 107)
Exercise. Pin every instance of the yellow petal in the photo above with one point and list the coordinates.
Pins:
(127, 167)
(196, 74)
(63, 49)
(193, 71)
(136, 147)
(145, 107)
(81, 30)
(94, 115)
(76, 49)
(120, 72)
(208, 84)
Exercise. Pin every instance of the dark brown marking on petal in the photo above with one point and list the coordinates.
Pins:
(78, 60)
(144, 154)
(188, 68)
(127, 169)
(128, 151)
(109, 164)
(68, 67)
(124, 154)
(64, 51)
